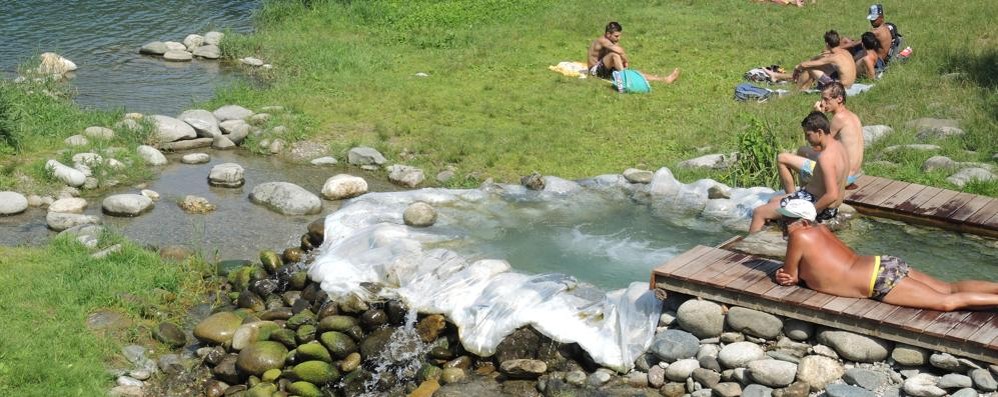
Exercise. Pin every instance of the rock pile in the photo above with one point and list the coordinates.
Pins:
(193, 45)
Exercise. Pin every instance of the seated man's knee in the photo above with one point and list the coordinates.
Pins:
(784, 158)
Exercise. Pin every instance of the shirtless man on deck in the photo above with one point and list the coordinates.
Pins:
(826, 264)
(826, 188)
(833, 64)
(605, 55)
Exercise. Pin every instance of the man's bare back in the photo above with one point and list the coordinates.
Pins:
(600, 48)
(845, 125)
(845, 65)
(835, 269)
(884, 37)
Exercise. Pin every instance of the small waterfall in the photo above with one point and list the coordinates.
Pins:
(400, 360)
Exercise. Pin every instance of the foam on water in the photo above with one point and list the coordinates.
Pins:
(436, 269)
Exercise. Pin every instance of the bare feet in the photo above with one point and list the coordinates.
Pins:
(672, 76)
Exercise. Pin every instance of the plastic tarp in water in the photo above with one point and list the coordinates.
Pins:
(367, 242)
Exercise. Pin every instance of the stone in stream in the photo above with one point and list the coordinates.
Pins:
(12, 203)
(169, 129)
(195, 158)
(55, 65)
(286, 198)
(193, 41)
(174, 46)
(59, 221)
(226, 175)
(196, 205)
(222, 142)
(154, 48)
(419, 214)
(187, 144)
(69, 176)
(363, 155)
(261, 356)
(232, 112)
(316, 372)
(203, 122)
(126, 204)
(177, 56)
(218, 328)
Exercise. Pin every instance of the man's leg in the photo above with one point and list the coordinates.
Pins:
(911, 292)
(787, 164)
(986, 287)
(777, 76)
(613, 61)
(667, 79)
(765, 212)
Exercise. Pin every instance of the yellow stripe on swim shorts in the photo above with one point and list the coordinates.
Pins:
(876, 272)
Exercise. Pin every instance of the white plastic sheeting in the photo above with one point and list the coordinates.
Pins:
(367, 242)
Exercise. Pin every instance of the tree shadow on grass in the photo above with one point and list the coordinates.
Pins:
(978, 67)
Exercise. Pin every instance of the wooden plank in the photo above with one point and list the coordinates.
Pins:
(779, 292)
(839, 304)
(682, 259)
(861, 182)
(800, 295)
(983, 214)
(861, 307)
(945, 209)
(971, 324)
(946, 322)
(935, 202)
(904, 195)
(900, 316)
(886, 192)
(918, 323)
(925, 195)
(704, 267)
(872, 188)
(760, 272)
(880, 312)
(984, 335)
(737, 266)
(752, 267)
(961, 214)
(993, 222)
(817, 301)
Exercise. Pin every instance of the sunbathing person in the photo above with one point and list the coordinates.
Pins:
(833, 64)
(870, 65)
(605, 55)
(826, 264)
(826, 188)
(845, 127)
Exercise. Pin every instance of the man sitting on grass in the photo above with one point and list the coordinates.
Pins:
(826, 187)
(833, 64)
(870, 65)
(606, 55)
(826, 264)
(845, 127)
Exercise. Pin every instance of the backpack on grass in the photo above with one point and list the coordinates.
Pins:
(747, 92)
(630, 82)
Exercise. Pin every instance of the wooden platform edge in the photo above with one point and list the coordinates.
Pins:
(861, 326)
(902, 216)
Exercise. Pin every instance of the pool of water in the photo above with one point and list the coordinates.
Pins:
(103, 38)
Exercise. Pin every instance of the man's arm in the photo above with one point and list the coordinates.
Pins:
(819, 61)
(832, 193)
(871, 69)
(787, 275)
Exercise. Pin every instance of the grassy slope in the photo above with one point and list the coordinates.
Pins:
(45, 347)
(492, 108)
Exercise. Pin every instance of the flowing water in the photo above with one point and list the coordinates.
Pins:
(103, 38)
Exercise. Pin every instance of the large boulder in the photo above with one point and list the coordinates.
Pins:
(873, 133)
(226, 175)
(717, 161)
(405, 175)
(69, 205)
(286, 198)
(169, 129)
(55, 65)
(193, 41)
(967, 175)
(705, 319)
(213, 38)
(232, 112)
(187, 144)
(929, 128)
(69, 176)
(60, 221)
(154, 48)
(343, 186)
(363, 155)
(151, 155)
(203, 121)
(855, 347)
(126, 204)
(673, 344)
(772, 373)
(12, 203)
(208, 52)
(754, 322)
(178, 56)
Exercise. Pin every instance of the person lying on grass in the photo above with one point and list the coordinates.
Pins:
(832, 64)
(826, 187)
(606, 55)
(818, 258)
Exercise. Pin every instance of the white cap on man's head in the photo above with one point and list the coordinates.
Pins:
(797, 208)
(876, 11)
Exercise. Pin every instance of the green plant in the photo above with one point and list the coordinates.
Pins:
(757, 151)
(9, 119)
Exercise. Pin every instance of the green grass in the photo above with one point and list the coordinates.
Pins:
(491, 107)
(45, 348)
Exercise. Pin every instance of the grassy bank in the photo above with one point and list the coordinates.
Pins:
(491, 108)
(49, 291)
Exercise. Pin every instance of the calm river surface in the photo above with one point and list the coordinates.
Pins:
(103, 38)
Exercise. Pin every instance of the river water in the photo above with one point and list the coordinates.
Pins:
(103, 38)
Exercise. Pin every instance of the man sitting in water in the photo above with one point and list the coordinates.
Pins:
(845, 126)
(825, 189)
(826, 264)
(606, 55)
(833, 64)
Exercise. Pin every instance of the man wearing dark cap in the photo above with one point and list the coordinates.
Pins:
(886, 33)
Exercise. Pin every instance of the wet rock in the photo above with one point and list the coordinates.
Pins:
(634, 175)
(12, 203)
(126, 205)
(153, 48)
(196, 205)
(983, 380)
(523, 368)
(76, 140)
(855, 347)
(739, 354)
(177, 56)
(339, 344)
(363, 155)
(798, 330)
(373, 319)
(286, 198)
(227, 175)
(325, 160)
(671, 345)
(754, 322)
(772, 373)
(213, 38)
(316, 372)
(702, 318)
(151, 155)
(204, 122)
(59, 221)
(231, 112)
(222, 142)
(217, 328)
(922, 385)
(419, 214)
(712, 161)
(553, 184)
(209, 51)
(343, 186)
(840, 390)
(67, 175)
(336, 323)
(819, 371)
(169, 129)
(261, 356)
(170, 334)
(521, 344)
(376, 342)
(972, 174)
(430, 327)
(867, 379)
(405, 175)
(873, 133)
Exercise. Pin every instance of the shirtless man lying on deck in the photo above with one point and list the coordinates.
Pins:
(826, 264)
(833, 64)
(606, 55)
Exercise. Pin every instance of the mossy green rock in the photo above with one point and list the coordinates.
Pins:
(452, 375)
(292, 255)
(218, 328)
(339, 344)
(336, 323)
(351, 362)
(316, 372)
(428, 372)
(170, 334)
(285, 336)
(306, 333)
(250, 300)
(298, 280)
(304, 389)
(271, 375)
(262, 389)
(271, 261)
(313, 351)
(259, 357)
(240, 278)
(226, 267)
(303, 317)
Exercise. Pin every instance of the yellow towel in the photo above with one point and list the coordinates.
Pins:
(571, 69)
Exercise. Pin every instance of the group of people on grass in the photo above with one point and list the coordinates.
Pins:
(829, 164)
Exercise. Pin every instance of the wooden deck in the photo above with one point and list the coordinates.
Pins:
(914, 203)
(743, 280)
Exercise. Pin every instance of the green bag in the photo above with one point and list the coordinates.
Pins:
(630, 82)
